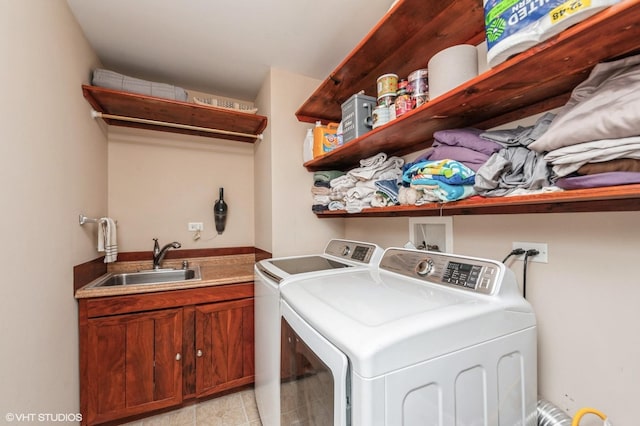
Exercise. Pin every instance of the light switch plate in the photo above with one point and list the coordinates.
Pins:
(195, 226)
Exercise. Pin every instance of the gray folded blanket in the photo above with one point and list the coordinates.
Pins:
(114, 80)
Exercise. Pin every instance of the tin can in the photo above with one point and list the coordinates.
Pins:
(387, 100)
(403, 84)
(380, 115)
(419, 86)
(387, 84)
(403, 103)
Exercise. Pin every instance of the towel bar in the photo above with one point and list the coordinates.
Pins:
(97, 114)
(84, 219)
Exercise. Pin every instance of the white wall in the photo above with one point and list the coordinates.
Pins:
(294, 229)
(159, 182)
(262, 173)
(53, 160)
(585, 298)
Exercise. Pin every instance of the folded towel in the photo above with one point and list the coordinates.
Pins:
(449, 171)
(326, 175)
(336, 205)
(390, 189)
(343, 183)
(377, 167)
(442, 191)
(107, 240)
(321, 199)
(319, 190)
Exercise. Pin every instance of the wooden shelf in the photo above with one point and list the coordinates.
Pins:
(530, 82)
(533, 81)
(605, 199)
(243, 127)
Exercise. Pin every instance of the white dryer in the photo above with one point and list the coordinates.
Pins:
(270, 274)
(425, 339)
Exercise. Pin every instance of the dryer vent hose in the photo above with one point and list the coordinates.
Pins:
(550, 415)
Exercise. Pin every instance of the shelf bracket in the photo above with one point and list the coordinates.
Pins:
(97, 114)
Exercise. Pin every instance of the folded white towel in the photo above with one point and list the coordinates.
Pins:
(107, 239)
(379, 165)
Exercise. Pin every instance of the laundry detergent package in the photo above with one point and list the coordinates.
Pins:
(325, 139)
(512, 26)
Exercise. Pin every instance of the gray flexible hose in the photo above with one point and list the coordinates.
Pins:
(550, 415)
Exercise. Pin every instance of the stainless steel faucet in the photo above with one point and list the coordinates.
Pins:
(159, 253)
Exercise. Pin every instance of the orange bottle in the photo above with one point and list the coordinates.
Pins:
(325, 138)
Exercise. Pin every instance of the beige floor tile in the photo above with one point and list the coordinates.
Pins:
(181, 417)
(227, 410)
(250, 406)
(237, 409)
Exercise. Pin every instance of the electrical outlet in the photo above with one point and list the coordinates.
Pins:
(541, 257)
(196, 226)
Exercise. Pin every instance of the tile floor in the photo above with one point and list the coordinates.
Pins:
(236, 409)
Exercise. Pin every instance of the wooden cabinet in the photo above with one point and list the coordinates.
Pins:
(533, 81)
(224, 346)
(144, 352)
(134, 364)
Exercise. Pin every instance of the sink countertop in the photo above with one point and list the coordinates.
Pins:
(217, 270)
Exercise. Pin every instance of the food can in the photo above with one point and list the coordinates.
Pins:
(380, 115)
(387, 100)
(419, 100)
(419, 86)
(387, 84)
(403, 103)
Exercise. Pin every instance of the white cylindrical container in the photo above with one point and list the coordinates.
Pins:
(307, 147)
(451, 67)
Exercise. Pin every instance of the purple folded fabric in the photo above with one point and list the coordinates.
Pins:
(598, 180)
(470, 158)
(467, 138)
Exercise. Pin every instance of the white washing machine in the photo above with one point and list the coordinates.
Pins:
(339, 256)
(424, 339)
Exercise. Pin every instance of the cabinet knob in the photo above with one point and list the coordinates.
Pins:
(178, 356)
(199, 353)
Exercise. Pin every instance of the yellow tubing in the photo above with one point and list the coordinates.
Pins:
(587, 410)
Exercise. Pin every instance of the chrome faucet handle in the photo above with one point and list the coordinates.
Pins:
(156, 247)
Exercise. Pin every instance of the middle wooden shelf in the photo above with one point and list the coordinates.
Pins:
(610, 198)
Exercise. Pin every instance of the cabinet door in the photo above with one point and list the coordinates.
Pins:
(134, 364)
(224, 346)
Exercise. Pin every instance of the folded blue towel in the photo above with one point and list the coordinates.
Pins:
(388, 187)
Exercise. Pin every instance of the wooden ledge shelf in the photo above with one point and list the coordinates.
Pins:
(605, 199)
(234, 125)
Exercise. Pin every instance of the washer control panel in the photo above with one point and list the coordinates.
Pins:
(470, 274)
(356, 251)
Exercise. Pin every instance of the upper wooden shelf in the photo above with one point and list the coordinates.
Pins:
(189, 118)
(533, 81)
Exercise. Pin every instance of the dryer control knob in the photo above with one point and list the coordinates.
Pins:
(346, 251)
(425, 267)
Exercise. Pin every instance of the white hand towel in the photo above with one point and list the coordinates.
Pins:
(107, 240)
